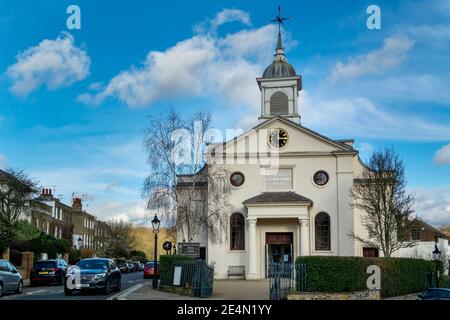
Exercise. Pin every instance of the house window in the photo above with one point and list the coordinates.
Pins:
(415, 234)
(237, 227)
(279, 104)
(322, 225)
(370, 252)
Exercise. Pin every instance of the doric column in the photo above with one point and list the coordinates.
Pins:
(304, 237)
(252, 253)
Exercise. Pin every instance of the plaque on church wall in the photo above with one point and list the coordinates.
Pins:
(279, 179)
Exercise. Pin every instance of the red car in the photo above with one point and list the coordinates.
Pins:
(149, 270)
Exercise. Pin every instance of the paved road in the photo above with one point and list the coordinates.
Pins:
(54, 292)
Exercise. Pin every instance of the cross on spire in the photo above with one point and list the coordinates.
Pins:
(280, 20)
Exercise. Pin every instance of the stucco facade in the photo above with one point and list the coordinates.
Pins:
(277, 192)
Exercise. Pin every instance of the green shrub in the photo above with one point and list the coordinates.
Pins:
(399, 276)
(166, 264)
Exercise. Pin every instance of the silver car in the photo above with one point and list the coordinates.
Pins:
(10, 278)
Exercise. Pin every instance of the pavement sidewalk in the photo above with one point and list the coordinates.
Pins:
(144, 291)
(223, 290)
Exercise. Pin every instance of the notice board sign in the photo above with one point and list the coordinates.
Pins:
(177, 276)
(189, 249)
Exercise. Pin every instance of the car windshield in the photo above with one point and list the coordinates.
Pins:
(93, 264)
(45, 264)
(438, 294)
(150, 264)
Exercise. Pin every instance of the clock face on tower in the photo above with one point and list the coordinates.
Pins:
(278, 138)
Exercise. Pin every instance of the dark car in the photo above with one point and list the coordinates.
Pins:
(136, 266)
(93, 273)
(10, 279)
(435, 294)
(149, 270)
(123, 267)
(48, 271)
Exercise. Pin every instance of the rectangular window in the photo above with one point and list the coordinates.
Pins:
(370, 252)
(415, 234)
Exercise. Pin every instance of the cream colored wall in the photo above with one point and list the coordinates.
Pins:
(306, 155)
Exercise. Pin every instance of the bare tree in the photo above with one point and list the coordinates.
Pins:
(17, 190)
(380, 193)
(119, 239)
(190, 195)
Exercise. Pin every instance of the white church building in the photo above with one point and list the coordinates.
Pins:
(298, 207)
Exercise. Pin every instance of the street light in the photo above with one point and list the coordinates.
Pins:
(155, 226)
(437, 258)
(80, 242)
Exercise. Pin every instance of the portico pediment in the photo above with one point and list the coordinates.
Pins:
(300, 141)
(278, 205)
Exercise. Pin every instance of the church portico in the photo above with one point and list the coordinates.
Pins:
(275, 240)
(278, 230)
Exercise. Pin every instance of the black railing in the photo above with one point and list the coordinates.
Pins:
(196, 275)
(280, 280)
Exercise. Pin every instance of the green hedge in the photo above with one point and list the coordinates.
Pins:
(166, 264)
(399, 276)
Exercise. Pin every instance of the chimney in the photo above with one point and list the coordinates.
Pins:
(47, 193)
(76, 204)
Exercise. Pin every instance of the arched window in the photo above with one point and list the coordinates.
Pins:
(322, 225)
(279, 104)
(237, 232)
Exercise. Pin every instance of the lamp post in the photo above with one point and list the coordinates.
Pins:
(155, 226)
(437, 258)
(80, 242)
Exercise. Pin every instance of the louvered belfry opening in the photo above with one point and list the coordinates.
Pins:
(279, 104)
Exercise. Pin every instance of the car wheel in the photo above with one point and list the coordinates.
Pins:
(67, 292)
(1, 289)
(119, 286)
(107, 289)
(19, 287)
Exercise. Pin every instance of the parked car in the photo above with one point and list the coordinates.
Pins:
(141, 266)
(136, 266)
(94, 273)
(48, 271)
(10, 278)
(149, 270)
(123, 267)
(435, 294)
(131, 267)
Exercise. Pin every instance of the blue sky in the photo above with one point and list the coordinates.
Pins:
(73, 103)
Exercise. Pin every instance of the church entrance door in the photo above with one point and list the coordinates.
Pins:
(279, 249)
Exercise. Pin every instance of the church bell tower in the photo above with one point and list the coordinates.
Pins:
(280, 85)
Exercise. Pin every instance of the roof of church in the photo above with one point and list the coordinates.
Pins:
(280, 67)
(284, 197)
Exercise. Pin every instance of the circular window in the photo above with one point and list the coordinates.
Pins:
(237, 179)
(321, 178)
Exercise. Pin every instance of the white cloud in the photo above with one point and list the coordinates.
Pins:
(442, 156)
(392, 54)
(358, 116)
(131, 211)
(3, 164)
(433, 205)
(53, 63)
(222, 17)
(204, 65)
(230, 15)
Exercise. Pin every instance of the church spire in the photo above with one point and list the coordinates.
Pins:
(279, 51)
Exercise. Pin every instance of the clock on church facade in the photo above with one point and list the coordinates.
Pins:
(278, 138)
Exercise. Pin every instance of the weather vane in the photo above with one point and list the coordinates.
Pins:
(279, 19)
